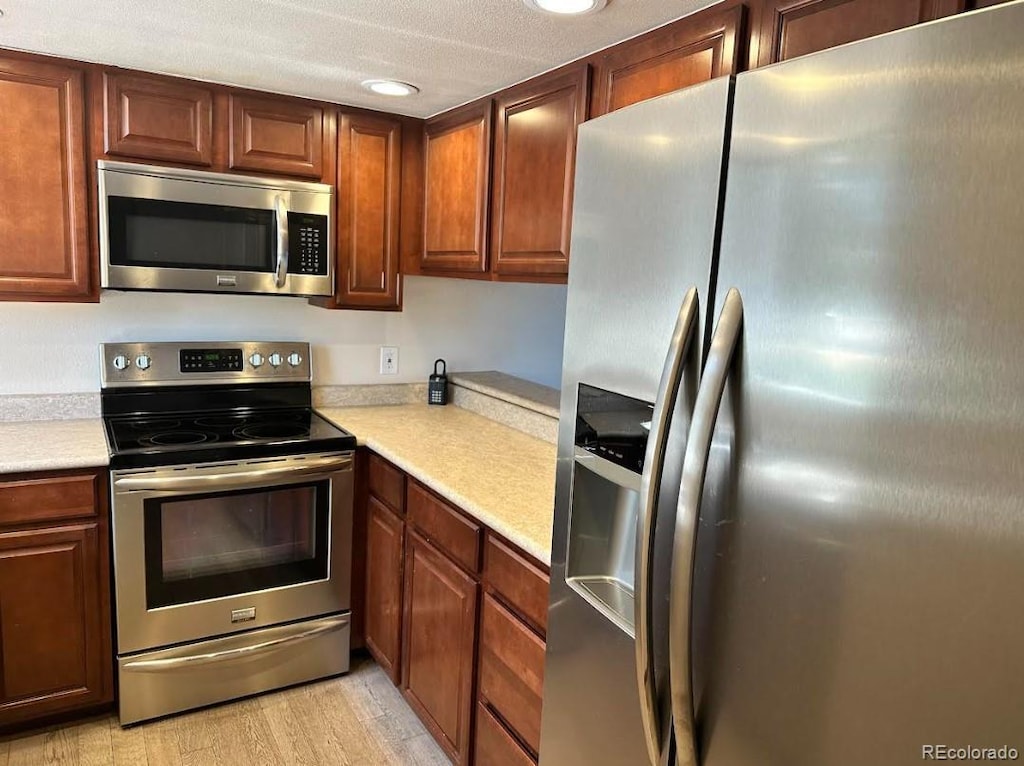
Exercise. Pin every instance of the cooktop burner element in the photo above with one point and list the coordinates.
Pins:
(176, 438)
(177, 416)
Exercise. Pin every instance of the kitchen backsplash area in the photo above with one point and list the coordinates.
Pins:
(516, 328)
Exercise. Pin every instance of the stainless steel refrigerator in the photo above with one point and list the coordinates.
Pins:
(789, 520)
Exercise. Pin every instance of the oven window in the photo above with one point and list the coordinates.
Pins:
(213, 545)
(157, 233)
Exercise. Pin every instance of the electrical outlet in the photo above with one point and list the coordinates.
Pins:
(388, 360)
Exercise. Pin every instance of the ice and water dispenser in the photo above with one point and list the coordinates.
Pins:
(608, 458)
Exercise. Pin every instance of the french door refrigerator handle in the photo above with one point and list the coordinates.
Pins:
(282, 240)
(650, 483)
(684, 543)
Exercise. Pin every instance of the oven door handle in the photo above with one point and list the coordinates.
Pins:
(241, 653)
(230, 480)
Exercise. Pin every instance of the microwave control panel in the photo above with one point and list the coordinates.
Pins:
(307, 244)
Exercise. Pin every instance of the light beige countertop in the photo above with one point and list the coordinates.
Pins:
(52, 445)
(497, 474)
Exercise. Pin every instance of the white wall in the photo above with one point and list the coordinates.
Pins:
(515, 328)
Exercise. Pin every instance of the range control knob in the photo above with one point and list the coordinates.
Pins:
(121, 362)
(275, 359)
(143, 362)
(294, 359)
(256, 360)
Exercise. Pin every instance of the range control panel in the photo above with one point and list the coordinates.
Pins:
(203, 363)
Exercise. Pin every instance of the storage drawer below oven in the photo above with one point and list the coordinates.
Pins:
(168, 681)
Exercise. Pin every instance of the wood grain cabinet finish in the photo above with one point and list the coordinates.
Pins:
(791, 28)
(494, 746)
(439, 640)
(457, 157)
(452, 532)
(384, 564)
(44, 221)
(519, 583)
(692, 50)
(534, 163)
(55, 632)
(369, 188)
(511, 670)
(387, 483)
(156, 119)
(276, 135)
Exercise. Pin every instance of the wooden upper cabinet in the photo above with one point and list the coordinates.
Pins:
(692, 50)
(158, 119)
(534, 161)
(791, 28)
(457, 149)
(369, 187)
(276, 135)
(44, 221)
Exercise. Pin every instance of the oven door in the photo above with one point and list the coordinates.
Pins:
(209, 550)
(186, 230)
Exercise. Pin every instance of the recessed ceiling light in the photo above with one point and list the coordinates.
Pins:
(566, 7)
(390, 87)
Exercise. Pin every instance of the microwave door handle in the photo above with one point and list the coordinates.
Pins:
(680, 347)
(684, 541)
(282, 240)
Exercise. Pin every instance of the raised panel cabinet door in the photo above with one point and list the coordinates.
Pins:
(791, 28)
(534, 162)
(44, 222)
(369, 188)
(457, 157)
(692, 50)
(384, 564)
(157, 119)
(439, 637)
(276, 136)
(51, 621)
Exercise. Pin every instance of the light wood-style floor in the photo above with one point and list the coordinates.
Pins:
(359, 720)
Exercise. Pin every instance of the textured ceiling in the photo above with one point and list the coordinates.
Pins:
(454, 50)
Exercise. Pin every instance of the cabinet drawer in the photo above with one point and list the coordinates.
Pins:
(494, 745)
(445, 527)
(517, 581)
(25, 500)
(387, 483)
(512, 670)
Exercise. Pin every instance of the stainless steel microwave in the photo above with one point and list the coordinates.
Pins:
(182, 230)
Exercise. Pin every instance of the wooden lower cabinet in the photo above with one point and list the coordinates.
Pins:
(55, 629)
(385, 546)
(511, 671)
(494, 746)
(439, 640)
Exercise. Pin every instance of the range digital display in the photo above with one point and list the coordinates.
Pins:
(210, 360)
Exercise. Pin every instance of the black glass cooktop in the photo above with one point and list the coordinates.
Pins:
(166, 439)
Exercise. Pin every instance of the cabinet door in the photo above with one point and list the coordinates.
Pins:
(692, 50)
(52, 622)
(44, 224)
(791, 28)
(457, 153)
(369, 181)
(494, 746)
(439, 638)
(158, 119)
(276, 136)
(384, 563)
(534, 161)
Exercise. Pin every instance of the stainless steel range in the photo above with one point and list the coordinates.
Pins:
(232, 523)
